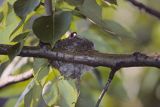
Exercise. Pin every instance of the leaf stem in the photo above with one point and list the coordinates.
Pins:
(48, 7)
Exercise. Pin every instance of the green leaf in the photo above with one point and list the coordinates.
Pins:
(53, 73)
(42, 72)
(41, 69)
(27, 89)
(3, 58)
(62, 24)
(38, 63)
(23, 7)
(93, 11)
(33, 97)
(43, 28)
(75, 2)
(10, 22)
(10, 102)
(115, 28)
(68, 94)
(15, 50)
(28, 98)
(13, 90)
(20, 24)
(20, 37)
(50, 93)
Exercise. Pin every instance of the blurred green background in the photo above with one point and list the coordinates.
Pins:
(131, 87)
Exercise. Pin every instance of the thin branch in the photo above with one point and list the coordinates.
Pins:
(48, 7)
(15, 64)
(105, 89)
(92, 57)
(15, 79)
(145, 8)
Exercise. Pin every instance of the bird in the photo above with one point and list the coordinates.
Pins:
(74, 43)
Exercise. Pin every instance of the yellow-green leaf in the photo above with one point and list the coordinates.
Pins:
(68, 94)
(20, 37)
(50, 93)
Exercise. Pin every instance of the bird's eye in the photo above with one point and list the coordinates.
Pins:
(73, 34)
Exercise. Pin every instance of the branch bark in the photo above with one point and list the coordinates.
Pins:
(90, 57)
(48, 7)
(145, 8)
(8, 80)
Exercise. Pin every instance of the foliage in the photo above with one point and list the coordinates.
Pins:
(24, 22)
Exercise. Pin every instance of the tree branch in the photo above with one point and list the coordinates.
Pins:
(145, 8)
(105, 89)
(48, 7)
(8, 80)
(91, 57)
